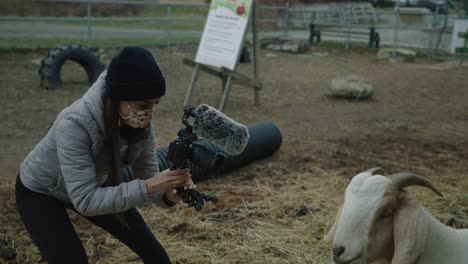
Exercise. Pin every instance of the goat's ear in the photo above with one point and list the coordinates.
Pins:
(410, 229)
(331, 233)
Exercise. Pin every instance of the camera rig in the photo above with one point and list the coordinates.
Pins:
(184, 150)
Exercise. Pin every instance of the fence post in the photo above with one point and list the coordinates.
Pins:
(89, 24)
(312, 33)
(255, 32)
(377, 40)
(395, 30)
(286, 19)
(348, 20)
(371, 37)
(435, 22)
(169, 17)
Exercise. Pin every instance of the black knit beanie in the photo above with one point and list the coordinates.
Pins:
(134, 75)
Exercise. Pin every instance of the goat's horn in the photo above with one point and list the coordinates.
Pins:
(405, 179)
(372, 170)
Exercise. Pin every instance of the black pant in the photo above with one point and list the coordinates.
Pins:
(48, 223)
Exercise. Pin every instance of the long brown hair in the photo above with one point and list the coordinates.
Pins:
(111, 121)
(113, 138)
(114, 133)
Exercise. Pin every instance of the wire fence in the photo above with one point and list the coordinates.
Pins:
(174, 24)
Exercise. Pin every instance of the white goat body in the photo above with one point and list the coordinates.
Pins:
(380, 224)
(427, 241)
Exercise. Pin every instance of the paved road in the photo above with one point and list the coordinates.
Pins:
(33, 29)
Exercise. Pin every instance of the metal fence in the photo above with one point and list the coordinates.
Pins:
(397, 27)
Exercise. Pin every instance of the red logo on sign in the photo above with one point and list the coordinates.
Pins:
(240, 10)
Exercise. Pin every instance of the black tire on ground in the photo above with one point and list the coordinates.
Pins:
(51, 65)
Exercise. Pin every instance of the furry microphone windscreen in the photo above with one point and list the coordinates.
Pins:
(219, 129)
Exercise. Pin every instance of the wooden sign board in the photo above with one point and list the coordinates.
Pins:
(224, 32)
(221, 45)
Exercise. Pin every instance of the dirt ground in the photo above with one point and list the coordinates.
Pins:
(275, 210)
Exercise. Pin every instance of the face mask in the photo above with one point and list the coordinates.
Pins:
(138, 118)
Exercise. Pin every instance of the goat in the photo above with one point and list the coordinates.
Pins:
(380, 223)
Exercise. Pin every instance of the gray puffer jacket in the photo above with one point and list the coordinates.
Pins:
(70, 163)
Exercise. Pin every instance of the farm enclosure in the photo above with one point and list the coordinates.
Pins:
(275, 210)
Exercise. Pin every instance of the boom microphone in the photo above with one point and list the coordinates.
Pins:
(215, 127)
(219, 129)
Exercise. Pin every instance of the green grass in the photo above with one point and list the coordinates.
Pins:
(197, 14)
(177, 11)
(159, 25)
(8, 44)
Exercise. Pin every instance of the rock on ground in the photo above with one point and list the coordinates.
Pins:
(351, 86)
(286, 45)
(400, 53)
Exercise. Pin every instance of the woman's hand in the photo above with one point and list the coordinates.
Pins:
(168, 180)
(174, 197)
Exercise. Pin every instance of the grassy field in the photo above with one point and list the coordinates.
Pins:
(29, 44)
